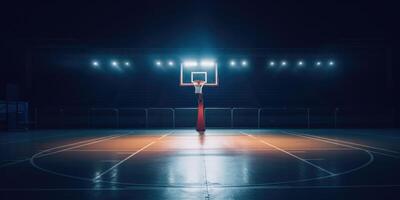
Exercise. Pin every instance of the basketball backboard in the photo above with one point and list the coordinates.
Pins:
(195, 70)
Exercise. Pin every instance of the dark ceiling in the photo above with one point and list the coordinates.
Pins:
(203, 24)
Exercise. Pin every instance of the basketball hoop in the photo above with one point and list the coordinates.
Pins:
(198, 74)
(198, 86)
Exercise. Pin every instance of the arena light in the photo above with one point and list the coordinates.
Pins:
(300, 63)
(190, 63)
(271, 63)
(95, 63)
(127, 64)
(207, 63)
(331, 63)
(232, 63)
(114, 63)
(171, 63)
(283, 63)
(158, 63)
(318, 63)
(244, 63)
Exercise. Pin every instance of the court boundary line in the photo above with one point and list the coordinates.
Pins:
(33, 163)
(213, 187)
(284, 151)
(297, 133)
(16, 141)
(208, 149)
(130, 156)
(371, 159)
(57, 147)
(173, 186)
(372, 134)
(81, 145)
(353, 143)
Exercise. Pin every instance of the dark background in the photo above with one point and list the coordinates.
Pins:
(47, 48)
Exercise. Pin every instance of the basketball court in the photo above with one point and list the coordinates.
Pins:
(180, 164)
(199, 100)
(199, 152)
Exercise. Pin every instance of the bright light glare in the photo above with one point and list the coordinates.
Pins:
(244, 63)
(283, 63)
(331, 63)
(190, 63)
(158, 63)
(95, 63)
(114, 63)
(127, 64)
(171, 63)
(318, 63)
(272, 63)
(232, 63)
(207, 63)
(300, 63)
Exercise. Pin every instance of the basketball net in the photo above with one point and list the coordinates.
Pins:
(198, 86)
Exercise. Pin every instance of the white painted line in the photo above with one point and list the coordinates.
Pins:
(280, 187)
(125, 152)
(13, 163)
(297, 157)
(35, 138)
(15, 160)
(353, 143)
(130, 156)
(79, 142)
(102, 150)
(173, 186)
(82, 145)
(58, 147)
(109, 161)
(296, 151)
(179, 187)
(317, 159)
(340, 144)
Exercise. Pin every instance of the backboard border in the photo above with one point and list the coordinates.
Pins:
(215, 84)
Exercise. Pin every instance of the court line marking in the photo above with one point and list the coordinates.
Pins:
(297, 151)
(353, 143)
(207, 149)
(62, 146)
(317, 159)
(130, 156)
(173, 186)
(311, 186)
(109, 161)
(297, 157)
(77, 146)
(36, 139)
(32, 159)
(381, 136)
(104, 181)
(333, 142)
(12, 160)
(207, 188)
(199, 188)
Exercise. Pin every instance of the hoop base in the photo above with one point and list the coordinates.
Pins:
(200, 125)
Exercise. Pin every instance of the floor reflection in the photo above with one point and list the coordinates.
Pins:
(213, 159)
(202, 138)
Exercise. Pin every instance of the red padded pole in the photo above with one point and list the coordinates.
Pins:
(200, 126)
